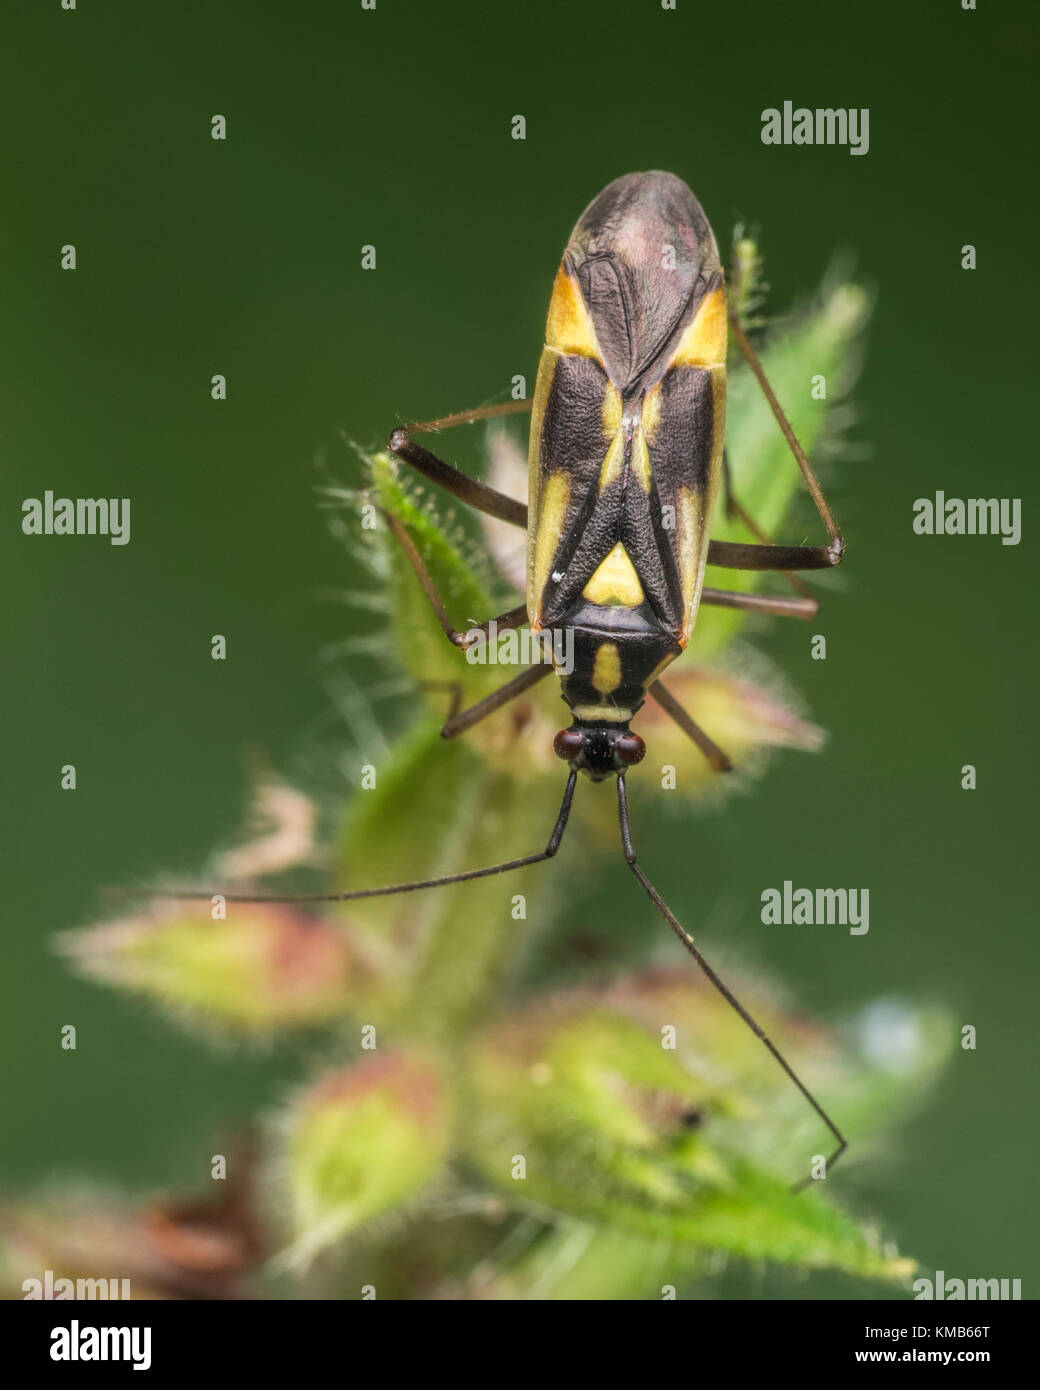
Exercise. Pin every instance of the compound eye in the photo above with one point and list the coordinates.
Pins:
(567, 744)
(631, 749)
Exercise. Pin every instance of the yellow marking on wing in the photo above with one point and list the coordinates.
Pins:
(606, 668)
(695, 512)
(613, 462)
(703, 344)
(612, 410)
(693, 548)
(641, 460)
(548, 533)
(569, 327)
(718, 400)
(651, 412)
(542, 387)
(615, 582)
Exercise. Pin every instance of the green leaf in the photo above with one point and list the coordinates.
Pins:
(654, 1110)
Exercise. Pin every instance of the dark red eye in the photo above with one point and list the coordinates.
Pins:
(567, 744)
(631, 749)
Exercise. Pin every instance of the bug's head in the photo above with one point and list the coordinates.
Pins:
(599, 750)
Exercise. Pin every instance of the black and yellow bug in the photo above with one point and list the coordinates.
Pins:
(626, 461)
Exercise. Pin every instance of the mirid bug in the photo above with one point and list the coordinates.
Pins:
(626, 459)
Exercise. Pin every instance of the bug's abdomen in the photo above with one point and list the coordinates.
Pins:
(616, 655)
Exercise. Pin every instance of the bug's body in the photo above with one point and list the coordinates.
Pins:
(626, 456)
(626, 445)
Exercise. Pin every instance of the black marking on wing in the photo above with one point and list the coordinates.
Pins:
(588, 540)
(651, 550)
(680, 457)
(681, 451)
(572, 423)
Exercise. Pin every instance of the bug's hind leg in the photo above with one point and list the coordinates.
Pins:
(460, 720)
(514, 617)
(711, 750)
(837, 542)
(733, 555)
(736, 511)
(469, 490)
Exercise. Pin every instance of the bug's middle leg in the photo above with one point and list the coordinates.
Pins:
(762, 603)
(711, 750)
(514, 617)
(460, 720)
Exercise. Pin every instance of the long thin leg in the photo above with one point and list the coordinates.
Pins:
(459, 720)
(469, 490)
(452, 688)
(811, 482)
(735, 509)
(734, 555)
(711, 750)
(515, 617)
(762, 603)
(554, 844)
(727, 994)
(780, 557)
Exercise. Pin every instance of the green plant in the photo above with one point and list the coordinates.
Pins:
(488, 1127)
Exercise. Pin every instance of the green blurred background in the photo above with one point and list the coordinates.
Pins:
(392, 127)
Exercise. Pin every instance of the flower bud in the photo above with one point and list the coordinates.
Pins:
(362, 1140)
(259, 968)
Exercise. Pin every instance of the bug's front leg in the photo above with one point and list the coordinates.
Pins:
(719, 760)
